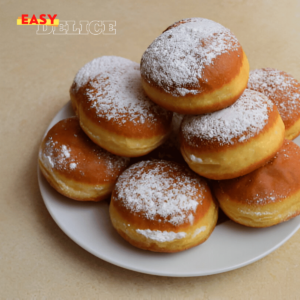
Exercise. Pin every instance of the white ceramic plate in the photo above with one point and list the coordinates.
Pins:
(230, 246)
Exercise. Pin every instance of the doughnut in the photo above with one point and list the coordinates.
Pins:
(75, 166)
(284, 91)
(195, 66)
(162, 206)
(267, 196)
(234, 141)
(113, 109)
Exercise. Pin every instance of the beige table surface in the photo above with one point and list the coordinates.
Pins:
(37, 260)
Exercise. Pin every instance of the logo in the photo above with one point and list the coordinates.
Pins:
(51, 25)
(24, 20)
(71, 27)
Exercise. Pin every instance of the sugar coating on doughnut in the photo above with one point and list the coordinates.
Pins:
(58, 157)
(63, 158)
(178, 56)
(90, 70)
(161, 236)
(280, 87)
(115, 91)
(244, 119)
(199, 230)
(161, 189)
(265, 197)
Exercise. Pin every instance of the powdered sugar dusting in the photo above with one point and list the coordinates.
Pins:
(58, 157)
(113, 163)
(195, 159)
(65, 151)
(61, 156)
(90, 70)
(175, 60)
(116, 92)
(265, 197)
(199, 230)
(161, 190)
(161, 236)
(182, 91)
(244, 119)
(73, 166)
(258, 213)
(191, 219)
(280, 87)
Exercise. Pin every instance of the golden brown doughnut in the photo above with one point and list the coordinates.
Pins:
(267, 196)
(284, 90)
(195, 66)
(162, 206)
(75, 166)
(234, 141)
(113, 109)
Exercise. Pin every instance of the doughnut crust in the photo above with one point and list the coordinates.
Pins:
(162, 206)
(267, 196)
(235, 141)
(113, 109)
(284, 91)
(195, 66)
(75, 166)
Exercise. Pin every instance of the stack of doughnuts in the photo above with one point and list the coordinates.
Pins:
(177, 136)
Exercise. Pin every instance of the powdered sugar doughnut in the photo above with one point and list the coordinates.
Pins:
(162, 206)
(195, 66)
(267, 196)
(234, 141)
(284, 91)
(75, 166)
(113, 109)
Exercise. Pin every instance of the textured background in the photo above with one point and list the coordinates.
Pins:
(37, 260)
